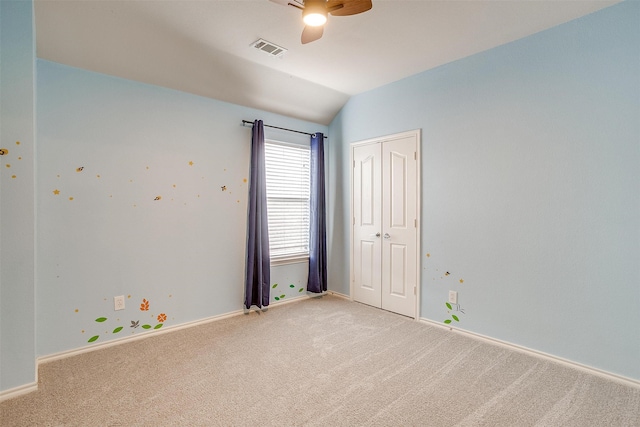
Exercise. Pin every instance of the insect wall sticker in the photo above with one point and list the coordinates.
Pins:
(446, 279)
(5, 152)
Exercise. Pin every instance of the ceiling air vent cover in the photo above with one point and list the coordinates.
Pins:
(269, 48)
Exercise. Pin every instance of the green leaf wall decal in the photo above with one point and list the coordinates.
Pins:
(274, 286)
(277, 298)
(447, 321)
(301, 289)
(118, 329)
(146, 326)
(455, 317)
(92, 339)
(101, 319)
(158, 326)
(282, 296)
(292, 286)
(448, 306)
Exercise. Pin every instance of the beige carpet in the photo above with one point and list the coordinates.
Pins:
(321, 362)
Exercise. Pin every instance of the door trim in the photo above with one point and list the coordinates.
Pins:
(418, 135)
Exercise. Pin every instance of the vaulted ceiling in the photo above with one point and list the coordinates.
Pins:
(205, 47)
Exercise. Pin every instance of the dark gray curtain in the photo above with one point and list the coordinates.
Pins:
(317, 225)
(257, 270)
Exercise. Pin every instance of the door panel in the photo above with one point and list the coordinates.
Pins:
(367, 198)
(399, 216)
(397, 269)
(367, 264)
(398, 183)
(367, 224)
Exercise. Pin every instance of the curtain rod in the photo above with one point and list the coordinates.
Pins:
(247, 122)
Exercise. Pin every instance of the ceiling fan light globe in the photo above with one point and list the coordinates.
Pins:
(314, 18)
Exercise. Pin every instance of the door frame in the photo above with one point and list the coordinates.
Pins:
(418, 135)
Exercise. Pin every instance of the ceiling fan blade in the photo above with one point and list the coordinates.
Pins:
(349, 7)
(310, 34)
(294, 3)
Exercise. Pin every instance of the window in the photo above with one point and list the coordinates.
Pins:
(288, 186)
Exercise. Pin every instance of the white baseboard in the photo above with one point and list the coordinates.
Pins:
(569, 363)
(142, 335)
(139, 336)
(28, 388)
(290, 300)
(18, 391)
(338, 294)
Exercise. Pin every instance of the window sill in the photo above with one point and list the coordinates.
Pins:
(294, 259)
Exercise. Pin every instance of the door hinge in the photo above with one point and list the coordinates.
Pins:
(415, 155)
(354, 164)
(415, 290)
(415, 223)
(354, 220)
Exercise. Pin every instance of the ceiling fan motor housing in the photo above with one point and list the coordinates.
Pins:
(314, 13)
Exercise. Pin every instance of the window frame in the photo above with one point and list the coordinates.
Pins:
(293, 256)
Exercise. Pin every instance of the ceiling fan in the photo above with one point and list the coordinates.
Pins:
(314, 13)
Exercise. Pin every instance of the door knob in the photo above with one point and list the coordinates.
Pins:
(375, 235)
(387, 236)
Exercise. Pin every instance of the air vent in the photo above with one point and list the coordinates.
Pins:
(269, 48)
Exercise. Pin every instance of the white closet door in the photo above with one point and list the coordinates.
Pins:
(367, 224)
(385, 206)
(399, 225)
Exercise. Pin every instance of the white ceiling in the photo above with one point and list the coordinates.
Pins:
(204, 47)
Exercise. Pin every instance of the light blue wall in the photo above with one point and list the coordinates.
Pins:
(141, 192)
(530, 195)
(17, 333)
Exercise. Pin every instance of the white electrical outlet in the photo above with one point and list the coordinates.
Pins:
(118, 302)
(453, 297)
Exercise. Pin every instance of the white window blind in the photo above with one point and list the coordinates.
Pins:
(288, 187)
